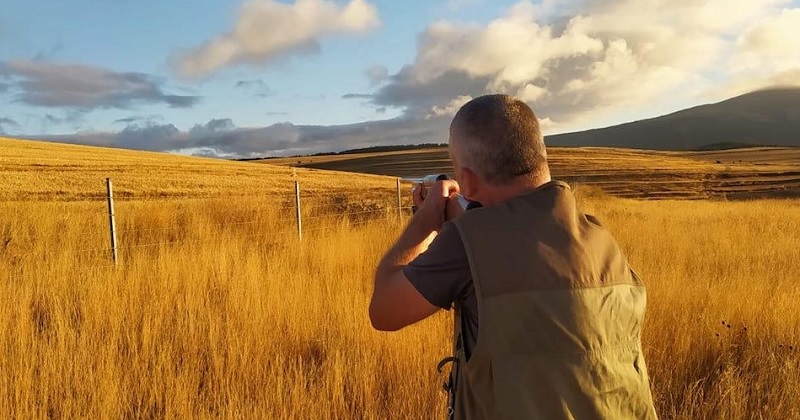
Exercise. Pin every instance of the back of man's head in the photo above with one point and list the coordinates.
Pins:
(499, 139)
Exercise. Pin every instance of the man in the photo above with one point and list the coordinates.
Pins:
(548, 313)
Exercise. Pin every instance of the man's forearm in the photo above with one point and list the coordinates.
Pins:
(395, 301)
(412, 242)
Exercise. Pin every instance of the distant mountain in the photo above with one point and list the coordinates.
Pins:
(768, 117)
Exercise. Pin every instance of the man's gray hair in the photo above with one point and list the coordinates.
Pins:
(498, 137)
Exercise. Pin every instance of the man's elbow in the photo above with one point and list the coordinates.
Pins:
(380, 321)
(379, 315)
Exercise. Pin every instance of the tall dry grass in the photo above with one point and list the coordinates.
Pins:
(224, 319)
(217, 311)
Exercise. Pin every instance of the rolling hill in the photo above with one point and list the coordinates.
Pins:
(768, 117)
(733, 174)
(45, 171)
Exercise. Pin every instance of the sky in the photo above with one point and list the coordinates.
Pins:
(239, 79)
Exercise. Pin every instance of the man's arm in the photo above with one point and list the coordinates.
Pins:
(396, 303)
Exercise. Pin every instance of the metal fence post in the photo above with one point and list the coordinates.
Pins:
(112, 225)
(297, 206)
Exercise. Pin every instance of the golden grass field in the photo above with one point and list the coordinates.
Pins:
(218, 311)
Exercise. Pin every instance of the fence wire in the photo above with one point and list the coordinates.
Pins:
(290, 232)
(121, 196)
(308, 200)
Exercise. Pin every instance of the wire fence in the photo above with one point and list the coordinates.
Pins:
(146, 196)
(119, 243)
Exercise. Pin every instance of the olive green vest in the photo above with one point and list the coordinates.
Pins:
(560, 316)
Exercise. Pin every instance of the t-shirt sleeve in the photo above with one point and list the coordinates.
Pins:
(441, 274)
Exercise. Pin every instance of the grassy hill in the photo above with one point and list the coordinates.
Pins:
(741, 173)
(767, 117)
(36, 170)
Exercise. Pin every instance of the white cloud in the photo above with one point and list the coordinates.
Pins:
(512, 49)
(773, 42)
(547, 125)
(377, 74)
(766, 54)
(450, 109)
(742, 84)
(267, 29)
(606, 58)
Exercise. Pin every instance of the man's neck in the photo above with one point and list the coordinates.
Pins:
(517, 187)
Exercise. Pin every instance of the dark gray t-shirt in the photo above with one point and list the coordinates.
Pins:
(442, 276)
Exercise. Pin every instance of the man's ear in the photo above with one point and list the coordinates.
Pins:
(469, 183)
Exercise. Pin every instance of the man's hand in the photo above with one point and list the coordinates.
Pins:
(438, 204)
